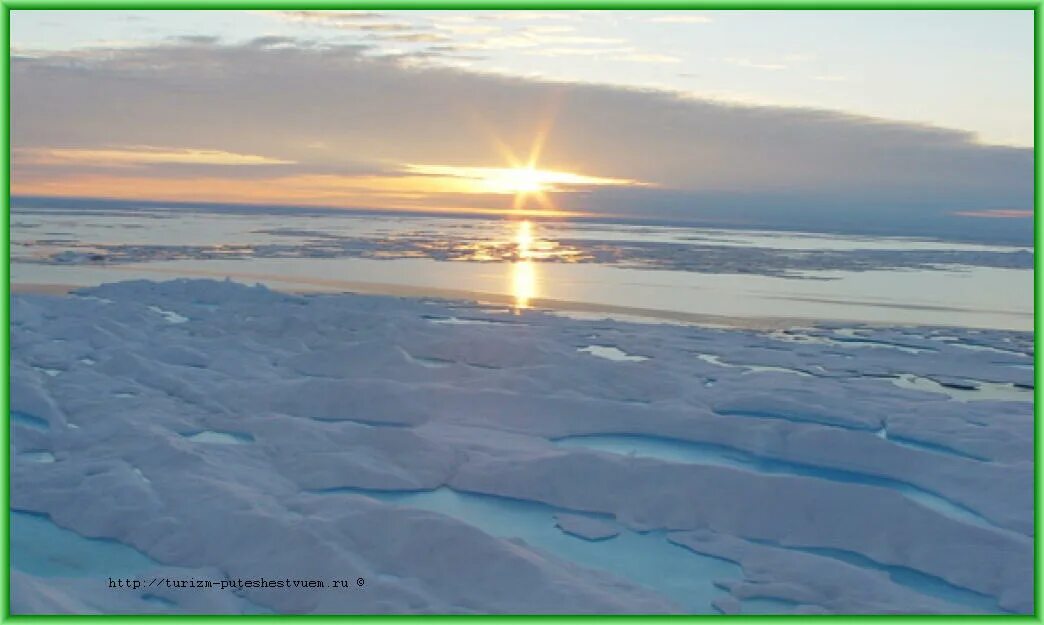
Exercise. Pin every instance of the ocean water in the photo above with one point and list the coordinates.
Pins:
(40, 547)
(646, 559)
(586, 268)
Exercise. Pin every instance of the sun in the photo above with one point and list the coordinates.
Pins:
(529, 180)
(526, 177)
(517, 180)
(521, 181)
(522, 178)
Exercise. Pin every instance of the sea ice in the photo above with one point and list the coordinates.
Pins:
(469, 467)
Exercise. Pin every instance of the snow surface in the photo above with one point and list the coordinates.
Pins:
(468, 467)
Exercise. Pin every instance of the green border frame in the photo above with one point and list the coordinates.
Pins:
(6, 6)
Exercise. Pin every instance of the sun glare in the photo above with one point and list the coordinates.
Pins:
(524, 239)
(523, 283)
(523, 273)
(531, 186)
(524, 180)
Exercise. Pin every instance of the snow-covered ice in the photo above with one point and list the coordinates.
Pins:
(611, 353)
(462, 460)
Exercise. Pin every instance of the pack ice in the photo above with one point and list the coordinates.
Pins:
(462, 459)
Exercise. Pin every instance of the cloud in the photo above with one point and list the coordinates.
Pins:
(202, 40)
(501, 42)
(526, 16)
(465, 28)
(130, 156)
(538, 39)
(552, 28)
(501, 180)
(516, 30)
(703, 160)
(997, 213)
(418, 38)
(357, 21)
(393, 27)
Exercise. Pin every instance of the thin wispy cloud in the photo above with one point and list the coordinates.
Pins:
(129, 156)
(376, 27)
(538, 39)
(498, 180)
(552, 28)
(525, 16)
(997, 213)
(466, 28)
(503, 42)
(203, 40)
(418, 38)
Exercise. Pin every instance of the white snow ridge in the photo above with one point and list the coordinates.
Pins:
(197, 429)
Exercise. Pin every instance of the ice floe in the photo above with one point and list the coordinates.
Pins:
(498, 467)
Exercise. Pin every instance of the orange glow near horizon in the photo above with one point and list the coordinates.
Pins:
(421, 193)
(139, 172)
(513, 180)
(135, 155)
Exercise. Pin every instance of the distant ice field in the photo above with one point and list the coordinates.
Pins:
(618, 269)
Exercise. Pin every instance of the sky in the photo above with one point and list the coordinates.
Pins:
(907, 121)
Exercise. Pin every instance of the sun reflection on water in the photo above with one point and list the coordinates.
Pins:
(523, 270)
(524, 238)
